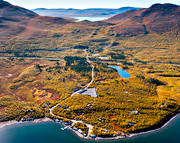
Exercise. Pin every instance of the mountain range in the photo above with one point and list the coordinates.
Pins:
(92, 12)
(159, 18)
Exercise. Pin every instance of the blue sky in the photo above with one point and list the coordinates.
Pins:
(31, 4)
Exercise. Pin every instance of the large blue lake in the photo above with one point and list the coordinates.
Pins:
(49, 132)
(123, 74)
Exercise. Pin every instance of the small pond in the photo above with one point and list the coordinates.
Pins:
(123, 74)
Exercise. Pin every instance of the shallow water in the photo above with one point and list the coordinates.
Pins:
(49, 132)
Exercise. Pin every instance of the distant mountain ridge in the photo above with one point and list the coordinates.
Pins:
(159, 18)
(91, 12)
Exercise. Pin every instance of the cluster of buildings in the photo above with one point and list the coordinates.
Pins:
(80, 131)
(68, 125)
(26, 120)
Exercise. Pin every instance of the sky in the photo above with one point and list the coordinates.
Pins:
(82, 4)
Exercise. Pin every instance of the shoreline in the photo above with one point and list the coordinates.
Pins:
(140, 133)
(157, 129)
(127, 136)
(13, 122)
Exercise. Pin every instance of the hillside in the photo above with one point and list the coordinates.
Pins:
(15, 20)
(159, 18)
(92, 12)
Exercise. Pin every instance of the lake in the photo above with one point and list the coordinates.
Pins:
(122, 73)
(91, 18)
(49, 132)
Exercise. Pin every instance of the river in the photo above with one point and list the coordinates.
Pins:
(49, 132)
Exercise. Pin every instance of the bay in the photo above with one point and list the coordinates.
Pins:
(49, 132)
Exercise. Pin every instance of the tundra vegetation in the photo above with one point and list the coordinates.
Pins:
(37, 85)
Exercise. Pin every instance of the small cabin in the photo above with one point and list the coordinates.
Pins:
(134, 112)
(80, 131)
(74, 128)
(93, 136)
(131, 123)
